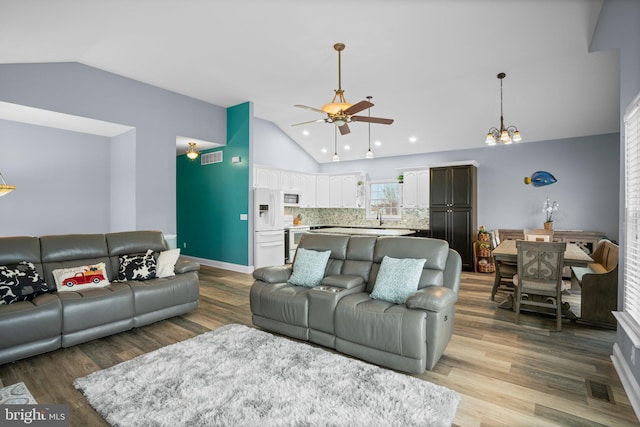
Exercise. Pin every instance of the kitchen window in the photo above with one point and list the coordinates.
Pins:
(383, 198)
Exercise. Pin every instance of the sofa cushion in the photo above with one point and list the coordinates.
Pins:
(397, 279)
(166, 263)
(30, 321)
(336, 243)
(73, 250)
(359, 256)
(20, 282)
(382, 325)
(137, 266)
(282, 302)
(84, 276)
(308, 267)
(435, 251)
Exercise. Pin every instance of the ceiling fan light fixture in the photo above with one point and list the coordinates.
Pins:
(335, 107)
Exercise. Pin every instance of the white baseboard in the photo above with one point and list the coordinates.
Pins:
(248, 269)
(631, 386)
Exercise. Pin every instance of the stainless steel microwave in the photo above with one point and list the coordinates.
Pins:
(291, 199)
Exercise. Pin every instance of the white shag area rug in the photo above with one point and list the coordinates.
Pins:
(240, 376)
(16, 394)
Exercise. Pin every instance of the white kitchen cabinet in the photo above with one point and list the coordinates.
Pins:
(415, 189)
(344, 191)
(349, 192)
(290, 181)
(266, 178)
(423, 188)
(307, 191)
(323, 191)
(335, 192)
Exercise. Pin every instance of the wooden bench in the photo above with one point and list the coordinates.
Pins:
(599, 285)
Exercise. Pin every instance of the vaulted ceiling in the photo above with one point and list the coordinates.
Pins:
(431, 65)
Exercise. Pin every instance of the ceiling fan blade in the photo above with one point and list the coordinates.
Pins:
(356, 108)
(344, 129)
(371, 120)
(310, 121)
(306, 107)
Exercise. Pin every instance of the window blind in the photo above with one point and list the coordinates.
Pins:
(632, 212)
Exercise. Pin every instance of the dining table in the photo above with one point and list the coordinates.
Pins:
(506, 251)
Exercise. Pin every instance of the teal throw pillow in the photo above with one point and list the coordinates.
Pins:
(308, 267)
(397, 279)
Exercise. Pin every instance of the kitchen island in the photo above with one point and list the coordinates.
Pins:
(366, 231)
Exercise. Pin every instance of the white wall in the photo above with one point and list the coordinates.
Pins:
(62, 181)
(157, 115)
(123, 182)
(272, 147)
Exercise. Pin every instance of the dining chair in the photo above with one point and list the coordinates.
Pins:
(504, 270)
(538, 235)
(539, 279)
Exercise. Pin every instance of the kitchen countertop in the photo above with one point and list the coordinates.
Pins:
(367, 231)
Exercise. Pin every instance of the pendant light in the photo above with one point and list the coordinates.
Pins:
(4, 187)
(503, 135)
(369, 154)
(336, 158)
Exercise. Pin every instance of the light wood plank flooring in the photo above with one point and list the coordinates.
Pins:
(507, 374)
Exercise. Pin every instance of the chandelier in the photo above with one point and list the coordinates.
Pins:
(503, 135)
(192, 153)
(4, 187)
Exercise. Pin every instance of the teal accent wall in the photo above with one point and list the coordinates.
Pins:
(210, 198)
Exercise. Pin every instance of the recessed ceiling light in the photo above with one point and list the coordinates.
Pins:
(377, 143)
(324, 150)
(412, 139)
(305, 132)
(346, 147)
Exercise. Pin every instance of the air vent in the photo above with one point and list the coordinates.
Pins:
(209, 158)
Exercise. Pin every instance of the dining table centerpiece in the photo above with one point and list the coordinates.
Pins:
(549, 207)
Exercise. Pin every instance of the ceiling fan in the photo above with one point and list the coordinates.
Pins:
(339, 111)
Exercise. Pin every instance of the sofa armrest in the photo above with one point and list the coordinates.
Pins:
(184, 265)
(273, 274)
(453, 271)
(432, 298)
(343, 281)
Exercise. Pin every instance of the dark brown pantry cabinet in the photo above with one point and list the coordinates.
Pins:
(453, 208)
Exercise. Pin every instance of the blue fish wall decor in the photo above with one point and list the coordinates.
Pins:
(540, 179)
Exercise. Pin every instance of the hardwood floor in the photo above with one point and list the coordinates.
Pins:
(507, 374)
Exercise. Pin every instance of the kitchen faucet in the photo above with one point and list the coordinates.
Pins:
(379, 216)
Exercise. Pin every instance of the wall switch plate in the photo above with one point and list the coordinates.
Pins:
(244, 217)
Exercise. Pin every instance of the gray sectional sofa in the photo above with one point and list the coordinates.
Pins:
(63, 319)
(340, 313)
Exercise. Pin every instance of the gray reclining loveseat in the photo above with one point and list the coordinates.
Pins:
(340, 312)
(63, 319)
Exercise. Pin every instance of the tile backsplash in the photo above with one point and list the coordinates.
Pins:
(411, 218)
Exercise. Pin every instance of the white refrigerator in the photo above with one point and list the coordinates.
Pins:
(268, 226)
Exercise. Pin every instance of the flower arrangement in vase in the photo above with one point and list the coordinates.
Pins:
(549, 207)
